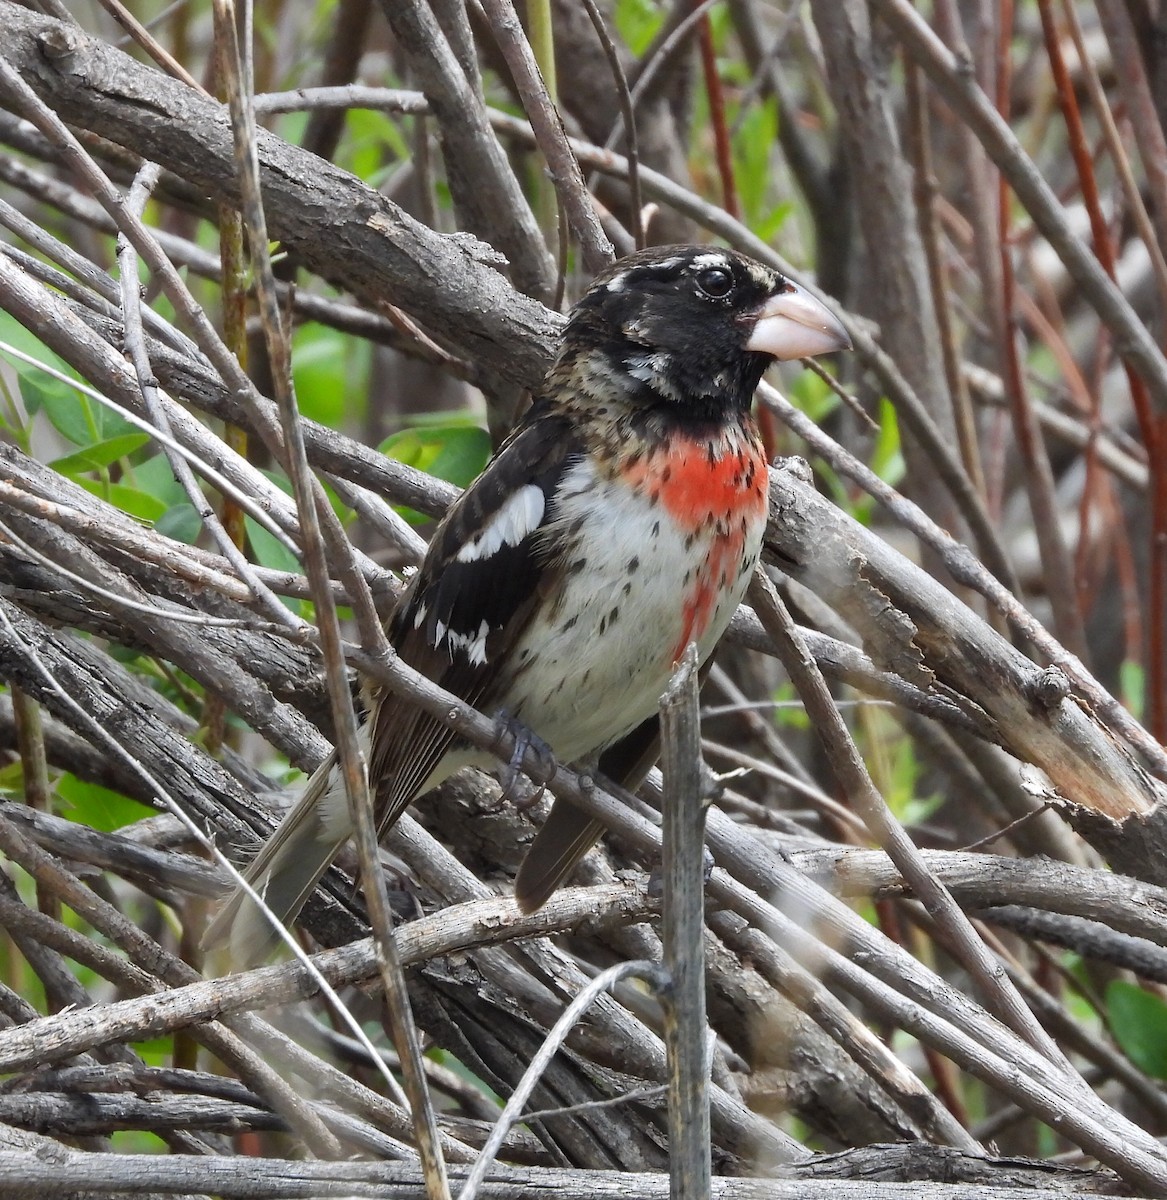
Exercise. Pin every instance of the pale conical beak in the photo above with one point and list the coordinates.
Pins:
(794, 324)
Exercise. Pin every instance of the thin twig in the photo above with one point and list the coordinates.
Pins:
(310, 504)
(628, 113)
(960, 90)
(965, 568)
(717, 118)
(549, 134)
(142, 35)
(683, 1000)
(513, 1112)
(259, 510)
(135, 344)
(888, 832)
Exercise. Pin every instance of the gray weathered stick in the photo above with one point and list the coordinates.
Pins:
(686, 1029)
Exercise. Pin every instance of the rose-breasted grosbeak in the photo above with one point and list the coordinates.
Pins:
(620, 521)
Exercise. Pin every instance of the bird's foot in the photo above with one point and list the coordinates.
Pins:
(525, 738)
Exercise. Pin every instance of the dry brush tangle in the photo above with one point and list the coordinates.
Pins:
(936, 913)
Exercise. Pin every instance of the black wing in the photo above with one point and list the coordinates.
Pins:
(470, 600)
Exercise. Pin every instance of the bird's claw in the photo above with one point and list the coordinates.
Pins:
(525, 738)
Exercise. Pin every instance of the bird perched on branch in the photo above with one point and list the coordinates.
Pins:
(621, 520)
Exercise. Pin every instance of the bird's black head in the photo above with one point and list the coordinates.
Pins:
(691, 329)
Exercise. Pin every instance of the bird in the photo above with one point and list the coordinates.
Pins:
(620, 520)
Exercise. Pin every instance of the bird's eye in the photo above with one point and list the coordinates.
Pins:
(715, 282)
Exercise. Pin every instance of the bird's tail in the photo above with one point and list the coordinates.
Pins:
(566, 836)
(569, 833)
(287, 868)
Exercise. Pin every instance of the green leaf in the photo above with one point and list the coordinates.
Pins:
(453, 451)
(97, 806)
(24, 340)
(637, 22)
(789, 712)
(769, 226)
(754, 140)
(323, 369)
(129, 499)
(180, 522)
(70, 413)
(887, 459)
(75, 417)
(12, 779)
(155, 477)
(100, 454)
(373, 141)
(1138, 1020)
(1132, 680)
(270, 552)
(813, 396)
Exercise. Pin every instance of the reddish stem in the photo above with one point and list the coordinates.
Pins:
(1153, 430)
(1056, 565)
(729, 198)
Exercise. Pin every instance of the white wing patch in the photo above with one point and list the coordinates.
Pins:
(473, 645)
(513, 521)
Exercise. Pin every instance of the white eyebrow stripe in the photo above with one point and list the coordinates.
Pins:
(704, 262)
(517, 517)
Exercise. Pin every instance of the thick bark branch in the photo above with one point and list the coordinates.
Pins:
(340, 228)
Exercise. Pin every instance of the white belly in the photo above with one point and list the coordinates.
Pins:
(602, 660)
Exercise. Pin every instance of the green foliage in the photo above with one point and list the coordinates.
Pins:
(892, 761)
(129, 499)
(1132, 686)
(755, 136)
(452, 447)
(142, 1141)
(788, 710)
(106, 443)
(372, 144)
(271, 552)
(1138, 1020)
(180, 522)
(638, 22)
(96, 806)
(329, 374)
(153, 478)
(76, 417)
(819, 402)
(268, 551)
(887, 456)
(12, 779)
(812, 395)
(99, 455)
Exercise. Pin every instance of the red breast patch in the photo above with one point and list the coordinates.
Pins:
(715, 493)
